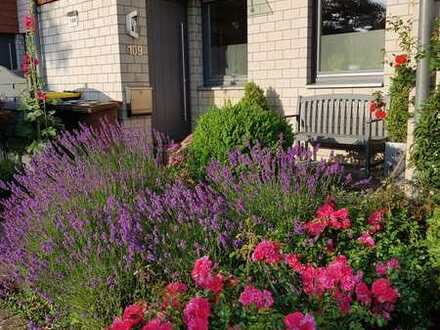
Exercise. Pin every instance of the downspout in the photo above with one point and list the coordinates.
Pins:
(423, 80)
(423, 84)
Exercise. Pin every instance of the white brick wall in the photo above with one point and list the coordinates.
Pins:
(280, 54)
(85, 57)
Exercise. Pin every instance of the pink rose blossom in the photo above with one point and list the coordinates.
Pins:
(316, 227)
(325, 210)
(384, 292)
(196, 314)
(176, 288)
(119, 324)
(268, 252)
(363, 294)
(158, 324)
(293, 261)
(134, 314)
(381, 269)
(299, 321)
(260, 298)
(203, 277)
(367, 240)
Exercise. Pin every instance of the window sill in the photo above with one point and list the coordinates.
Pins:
(220, 88)
(349, 85)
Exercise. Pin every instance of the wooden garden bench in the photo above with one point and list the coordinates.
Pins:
(340, 122)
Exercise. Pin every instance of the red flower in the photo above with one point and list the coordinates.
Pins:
(41, 95)
(400, 60)
(119, 324)
(196, 314)
(203, 277)
(340, 219)
(268, 252)
(344, 301)
(326, 210)
(373, 106)
(380, 114)
(134, 314)
(158, 324)
(363, 294)
(384, 292)
(29, 23)
(293, 261)
(299, 321)
(316, 227)
(366, 240)
(172, 293)
(176, 288)
(376, 217)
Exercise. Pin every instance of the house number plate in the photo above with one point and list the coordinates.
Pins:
(135, 50)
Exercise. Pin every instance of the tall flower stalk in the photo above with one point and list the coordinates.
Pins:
(34, 99)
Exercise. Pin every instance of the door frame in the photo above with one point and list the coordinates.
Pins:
(186, 77)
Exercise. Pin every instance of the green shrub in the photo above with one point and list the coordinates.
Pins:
(426, 150)
(220, 131)
(398, 113)
(254, 96)
(433, 240)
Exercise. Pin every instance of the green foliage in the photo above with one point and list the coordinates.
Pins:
(426, 150)
(433, 241)
(221, 130)
(33, 99)
(398, 114)
(254, 96)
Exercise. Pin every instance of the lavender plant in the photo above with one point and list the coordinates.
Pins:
(67, 232)
(94, 220)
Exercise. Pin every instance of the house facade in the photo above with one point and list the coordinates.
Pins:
(177, 58)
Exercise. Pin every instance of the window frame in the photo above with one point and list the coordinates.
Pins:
(346, 77)
(225, 81)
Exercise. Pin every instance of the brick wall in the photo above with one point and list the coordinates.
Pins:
(134, 68)
(8, 16)
(280, 55)
(85, 57)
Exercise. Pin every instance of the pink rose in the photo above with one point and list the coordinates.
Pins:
(134, 314)
(384, 292)
(299, 321)
(268, 252)
(367, 240)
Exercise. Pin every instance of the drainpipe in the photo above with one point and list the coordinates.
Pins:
(423, 82)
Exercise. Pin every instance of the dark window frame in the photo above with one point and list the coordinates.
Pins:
(224, 81)
(10, 55)
(374, 77)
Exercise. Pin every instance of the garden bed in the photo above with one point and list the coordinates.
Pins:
(266, 240)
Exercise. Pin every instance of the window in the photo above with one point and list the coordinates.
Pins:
(351, 38)
(8, 57)
(225, 41)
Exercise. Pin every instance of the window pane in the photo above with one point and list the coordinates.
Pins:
(8, 57)
(227, 49)
(352, 35)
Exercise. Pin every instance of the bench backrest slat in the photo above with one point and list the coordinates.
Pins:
(338, 115)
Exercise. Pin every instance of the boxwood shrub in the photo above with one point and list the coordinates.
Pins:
(239, 126)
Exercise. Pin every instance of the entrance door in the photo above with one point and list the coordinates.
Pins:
(169, 68)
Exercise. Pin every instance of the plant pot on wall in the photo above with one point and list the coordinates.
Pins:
(395, 157)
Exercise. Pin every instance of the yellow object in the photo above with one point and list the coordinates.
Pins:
(63, 95)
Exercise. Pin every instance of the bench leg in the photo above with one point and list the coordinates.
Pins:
(368, 160)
